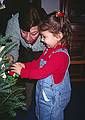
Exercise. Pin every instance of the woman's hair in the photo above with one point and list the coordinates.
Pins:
(30, 16)
(57, 22)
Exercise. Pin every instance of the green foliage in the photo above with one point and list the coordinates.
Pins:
(11, 94)
(6, 41)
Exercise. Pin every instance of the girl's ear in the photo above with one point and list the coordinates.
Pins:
(59, 36)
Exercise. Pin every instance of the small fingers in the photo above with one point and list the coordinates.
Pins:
(17, 67)
(22, 65)
(19, 64)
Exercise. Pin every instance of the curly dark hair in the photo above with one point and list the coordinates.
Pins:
(56, 24)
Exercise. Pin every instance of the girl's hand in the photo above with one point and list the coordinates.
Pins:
(17, 67)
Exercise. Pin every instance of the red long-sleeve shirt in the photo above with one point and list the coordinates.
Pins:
(55, 65)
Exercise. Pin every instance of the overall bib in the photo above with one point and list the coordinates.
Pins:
(51, 98)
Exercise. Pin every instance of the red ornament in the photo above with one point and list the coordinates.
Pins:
(11, 73)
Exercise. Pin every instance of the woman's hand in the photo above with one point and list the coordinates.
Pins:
(17, 67)
(10, 59)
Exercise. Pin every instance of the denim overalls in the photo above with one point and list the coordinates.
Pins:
(51, 99)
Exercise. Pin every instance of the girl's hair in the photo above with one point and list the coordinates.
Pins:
(57, 22)
(30, 16)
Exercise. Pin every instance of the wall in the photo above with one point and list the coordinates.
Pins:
(50, 5)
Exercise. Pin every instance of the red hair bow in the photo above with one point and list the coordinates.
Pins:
(60, 14)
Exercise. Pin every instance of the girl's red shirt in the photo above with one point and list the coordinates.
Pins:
(56, 65)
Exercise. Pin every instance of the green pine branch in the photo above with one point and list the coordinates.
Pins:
(11, 94)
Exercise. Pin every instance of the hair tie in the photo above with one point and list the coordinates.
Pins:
(60, 14)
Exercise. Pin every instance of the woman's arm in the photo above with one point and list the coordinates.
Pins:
(12, 30)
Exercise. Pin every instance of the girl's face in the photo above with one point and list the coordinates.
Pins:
(31, 36)
(50, 39)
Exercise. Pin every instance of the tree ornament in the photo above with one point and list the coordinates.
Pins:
(13, 74)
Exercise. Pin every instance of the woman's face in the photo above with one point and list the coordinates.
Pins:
(30, 36)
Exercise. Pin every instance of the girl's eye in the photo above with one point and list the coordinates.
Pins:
(43, 37)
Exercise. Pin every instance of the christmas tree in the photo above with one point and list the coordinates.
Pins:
(11, 94)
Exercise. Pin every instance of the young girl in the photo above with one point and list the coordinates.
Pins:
(53, 88)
